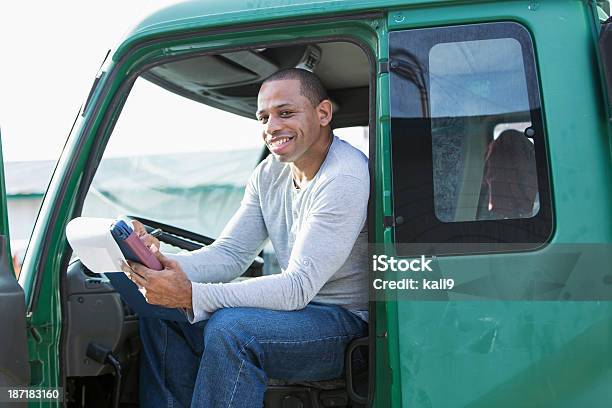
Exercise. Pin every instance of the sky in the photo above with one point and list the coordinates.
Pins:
(51, 52)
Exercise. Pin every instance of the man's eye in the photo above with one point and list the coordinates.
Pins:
(285, 114)
(263, 120)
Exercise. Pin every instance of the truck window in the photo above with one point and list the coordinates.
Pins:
(176, 161)
(469, 162)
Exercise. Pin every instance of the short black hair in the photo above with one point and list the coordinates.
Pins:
(310, 85)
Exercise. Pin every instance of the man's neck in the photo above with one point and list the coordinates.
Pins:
(306, 168)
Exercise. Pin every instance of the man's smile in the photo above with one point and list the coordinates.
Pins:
(278, 144)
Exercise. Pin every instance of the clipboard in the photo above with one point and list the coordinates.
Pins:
(102, 244)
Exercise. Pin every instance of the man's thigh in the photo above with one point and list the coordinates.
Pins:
(306, 344)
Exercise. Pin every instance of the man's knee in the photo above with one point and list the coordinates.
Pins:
(230, 328)
(228, 321)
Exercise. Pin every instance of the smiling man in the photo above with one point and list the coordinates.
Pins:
(309, 197)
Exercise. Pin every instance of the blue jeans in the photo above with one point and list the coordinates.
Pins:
(227, 360)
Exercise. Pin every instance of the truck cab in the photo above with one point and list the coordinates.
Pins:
(486, 125)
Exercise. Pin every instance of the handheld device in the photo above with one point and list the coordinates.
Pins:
(132, 247)
(135, 250)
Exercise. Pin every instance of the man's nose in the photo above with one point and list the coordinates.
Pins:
(273, 125)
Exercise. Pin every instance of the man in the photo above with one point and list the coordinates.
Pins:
(309, 197)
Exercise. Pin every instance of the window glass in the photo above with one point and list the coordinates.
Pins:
(478, 174)
(176, 161)
(468, 147)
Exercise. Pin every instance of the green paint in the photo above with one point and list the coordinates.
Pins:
(4, 227)
(19, 197)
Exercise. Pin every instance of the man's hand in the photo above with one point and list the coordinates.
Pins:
(168, 287)
(145, 237)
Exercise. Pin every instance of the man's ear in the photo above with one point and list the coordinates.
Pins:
(325, 112)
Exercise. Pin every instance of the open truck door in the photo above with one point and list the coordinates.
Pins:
(14, 368)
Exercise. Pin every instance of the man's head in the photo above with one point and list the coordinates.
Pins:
(295, 112)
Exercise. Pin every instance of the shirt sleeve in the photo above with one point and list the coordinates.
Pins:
(236, 248)
(322, 246)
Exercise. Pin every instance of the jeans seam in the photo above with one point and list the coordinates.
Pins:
(229, 404)
(163, 367)
(307, 341)
(246, 344)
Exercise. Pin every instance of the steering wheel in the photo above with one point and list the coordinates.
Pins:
(190, 241)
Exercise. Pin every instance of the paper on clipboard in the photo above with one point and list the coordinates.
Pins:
(95, 246)
(92, 241)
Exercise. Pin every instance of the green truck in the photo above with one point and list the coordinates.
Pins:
(519, 233)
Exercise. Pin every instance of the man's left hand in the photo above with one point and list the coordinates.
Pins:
(169, 287)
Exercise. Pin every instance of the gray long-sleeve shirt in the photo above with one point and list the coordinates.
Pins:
(318, 234)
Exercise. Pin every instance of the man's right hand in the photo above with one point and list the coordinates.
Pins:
(145, 237)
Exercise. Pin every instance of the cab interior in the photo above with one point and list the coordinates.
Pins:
(100, 342)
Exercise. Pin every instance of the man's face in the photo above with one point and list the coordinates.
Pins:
(291, 124)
